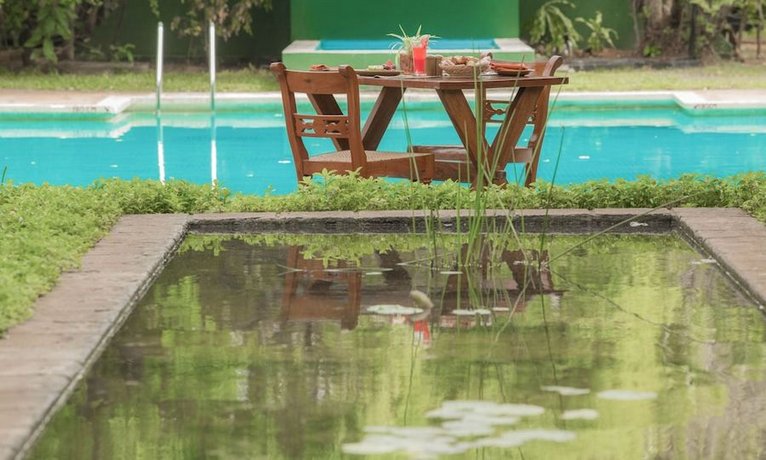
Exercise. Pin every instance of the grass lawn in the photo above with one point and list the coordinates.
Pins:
(719, 76)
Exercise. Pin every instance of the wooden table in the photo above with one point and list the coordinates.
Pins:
(527, 91)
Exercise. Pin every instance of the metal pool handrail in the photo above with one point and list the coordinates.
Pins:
(160, 57)
(158, 115)
(213, 146)
(212, 66)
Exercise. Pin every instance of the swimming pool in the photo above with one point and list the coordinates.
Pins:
(435, 44)
(250, 152)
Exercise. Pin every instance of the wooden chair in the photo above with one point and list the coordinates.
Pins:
(530, 276)
(452, 160)
(343, 129)
(530, 154)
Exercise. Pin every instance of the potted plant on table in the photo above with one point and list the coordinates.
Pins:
(407, 42)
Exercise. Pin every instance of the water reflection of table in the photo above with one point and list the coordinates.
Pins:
(314, 291)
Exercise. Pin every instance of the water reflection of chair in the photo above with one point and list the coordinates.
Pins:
(531, 273)
(530, 276)
(313, 292)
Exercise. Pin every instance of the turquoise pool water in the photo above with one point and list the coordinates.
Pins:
(387, 44)
(252, 153)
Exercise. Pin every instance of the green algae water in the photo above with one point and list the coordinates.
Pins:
(312, 346)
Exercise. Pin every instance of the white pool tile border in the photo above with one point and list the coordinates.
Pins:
(117, 104)
(504, 44)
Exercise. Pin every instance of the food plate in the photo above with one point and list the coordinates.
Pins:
(382, 73)
(512, 72)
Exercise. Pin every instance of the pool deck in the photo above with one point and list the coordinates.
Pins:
(43, 359)
(27, 101)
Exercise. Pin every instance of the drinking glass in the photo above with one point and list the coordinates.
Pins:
(419, 59)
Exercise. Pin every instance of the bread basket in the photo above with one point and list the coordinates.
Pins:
(461, 66)
(464, 70)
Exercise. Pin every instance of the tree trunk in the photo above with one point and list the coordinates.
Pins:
(758, 30)
(69, 47)
(635, 9)
(658, 13)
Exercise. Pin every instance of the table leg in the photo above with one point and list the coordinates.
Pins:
(326, 104)
(380, 116)
(464, 122)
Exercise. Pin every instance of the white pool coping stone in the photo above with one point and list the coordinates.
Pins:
(312, 46)
(64, 102)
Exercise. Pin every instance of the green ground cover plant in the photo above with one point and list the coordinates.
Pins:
(47, 229)
(241, 80)
(727, 75)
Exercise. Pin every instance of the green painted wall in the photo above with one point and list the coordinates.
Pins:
(315, 19)
(135, 23)
(616, 15)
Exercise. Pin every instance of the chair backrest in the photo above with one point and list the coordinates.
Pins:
(541, 111)
(321, 87)
(539, 120)
(307, 294)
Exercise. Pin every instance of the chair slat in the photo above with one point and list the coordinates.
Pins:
(332, 126)
(316, 82)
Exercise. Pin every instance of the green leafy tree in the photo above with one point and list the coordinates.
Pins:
(13, 17)
(54, 20)
(552, 30)
(49, 28)
(231, 17)
(715, 26)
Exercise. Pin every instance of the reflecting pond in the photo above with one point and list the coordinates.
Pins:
(316, 346)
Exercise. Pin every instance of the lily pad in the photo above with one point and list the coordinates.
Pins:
(464, 312)
(627, 395)
(393, 310)
(566, 391)
(580, 414)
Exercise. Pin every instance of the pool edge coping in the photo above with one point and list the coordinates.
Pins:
(117, 104)
(44, 358)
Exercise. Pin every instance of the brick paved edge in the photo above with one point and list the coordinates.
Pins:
(735, 240)
(43, 359)
(532, 221)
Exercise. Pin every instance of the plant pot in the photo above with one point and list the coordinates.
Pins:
(405, 63)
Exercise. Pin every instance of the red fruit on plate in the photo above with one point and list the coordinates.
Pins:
(508, 65)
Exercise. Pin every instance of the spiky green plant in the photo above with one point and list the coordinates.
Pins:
(599, 35)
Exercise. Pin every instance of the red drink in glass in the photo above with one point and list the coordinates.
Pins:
(419, 59)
